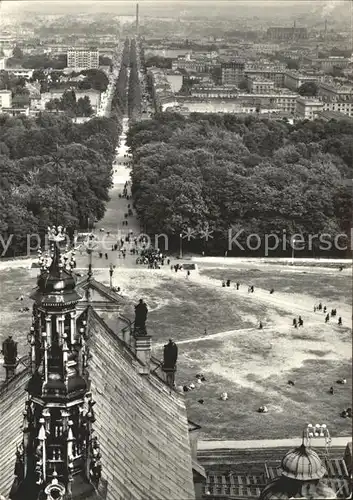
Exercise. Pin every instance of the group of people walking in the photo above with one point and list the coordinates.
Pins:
(296, 323)
(328, 315)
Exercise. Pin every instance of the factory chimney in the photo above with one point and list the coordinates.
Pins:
(137, 19)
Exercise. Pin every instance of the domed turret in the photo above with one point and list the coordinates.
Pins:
(56, 282)
(302, 463)
(302, 477)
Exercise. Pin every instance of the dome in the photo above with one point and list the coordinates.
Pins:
(303, 464)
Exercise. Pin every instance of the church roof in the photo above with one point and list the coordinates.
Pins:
(100, 295)
(12, 405)
(141, 424)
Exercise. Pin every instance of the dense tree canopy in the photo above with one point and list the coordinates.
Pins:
(308, 89)
(52, 170)
(39, 61)
(224, 171)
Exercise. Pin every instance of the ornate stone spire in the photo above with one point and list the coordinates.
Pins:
(57, 427)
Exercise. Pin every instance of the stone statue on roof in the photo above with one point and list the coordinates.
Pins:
(170, 355)
(140, 317)
(9, 350)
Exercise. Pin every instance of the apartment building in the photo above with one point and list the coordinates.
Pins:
(214, 92)
(175, 79)
(201, 64)
(328, 63)
(6, 40)
(343, 107)
(308, 108)
(232, 72)
(260, 85)
(79, 59)
(5, 99)
(282, 101)
(21, 73)
(294, 79)
(265, 48)
(275, 73)
(331, 92)
(162, 93)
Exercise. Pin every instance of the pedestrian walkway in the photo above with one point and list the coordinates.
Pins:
(269, 443)
(110, 229)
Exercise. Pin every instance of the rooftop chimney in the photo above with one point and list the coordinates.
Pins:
(143, 352)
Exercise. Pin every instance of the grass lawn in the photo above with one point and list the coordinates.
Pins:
(333, 286)
(253, 376)
(252, 365)
(184, 309)
(16, 282)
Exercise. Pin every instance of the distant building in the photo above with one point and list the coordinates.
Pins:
(274, 102)
(308, 108)
(265, 48)
(162, 93)
(260, 85)
(282, 101)
(6, 40)
(275, 73)
(83, 58)
(294, 79)
(214, 92)
(232, 72)
(196, 63)
(175, 79)
(333, 115)
(327, 64)
(21, 73)
(284, 34)
(331, 92)
(16, 111)
(5, 99)
(343, 107)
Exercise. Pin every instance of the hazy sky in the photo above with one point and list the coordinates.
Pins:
(324, 8)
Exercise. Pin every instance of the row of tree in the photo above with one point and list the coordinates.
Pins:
(53, 171)
(134, 92)
(222, 172)
(119, 101)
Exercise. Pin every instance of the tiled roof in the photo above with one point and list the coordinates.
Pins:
(12, 405)
(142, 425)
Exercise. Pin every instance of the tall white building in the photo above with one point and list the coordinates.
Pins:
(5, 99)
(83, 58)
